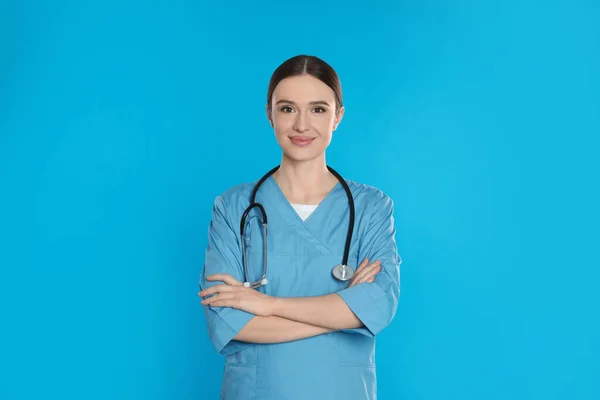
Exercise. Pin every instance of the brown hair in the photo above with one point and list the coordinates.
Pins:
(306, 65)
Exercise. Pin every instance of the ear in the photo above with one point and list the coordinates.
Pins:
(338, 118)
(269, 115)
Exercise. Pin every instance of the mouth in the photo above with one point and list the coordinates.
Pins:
(302, 140)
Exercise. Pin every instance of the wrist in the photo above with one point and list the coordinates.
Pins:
(276, 305)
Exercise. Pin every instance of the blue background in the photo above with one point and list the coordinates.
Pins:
(121, 121)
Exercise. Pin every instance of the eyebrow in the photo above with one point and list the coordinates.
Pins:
(318, 102)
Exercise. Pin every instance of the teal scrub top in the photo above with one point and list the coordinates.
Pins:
(301, 255)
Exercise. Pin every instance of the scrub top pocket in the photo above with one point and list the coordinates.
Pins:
(239, 382)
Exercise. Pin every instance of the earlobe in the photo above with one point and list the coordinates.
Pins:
(336, 124)
(269, 115)
(339, 116)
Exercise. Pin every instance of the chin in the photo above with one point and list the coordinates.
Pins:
(301, 155)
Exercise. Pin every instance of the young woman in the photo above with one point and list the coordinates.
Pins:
(305, 328)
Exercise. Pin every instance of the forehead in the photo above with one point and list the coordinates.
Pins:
(303, 88)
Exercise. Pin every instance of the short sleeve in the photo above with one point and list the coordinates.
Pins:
(375, 303)
(223, 256)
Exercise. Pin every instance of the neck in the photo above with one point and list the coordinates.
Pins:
(304, 182)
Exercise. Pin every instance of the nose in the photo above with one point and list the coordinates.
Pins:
(301, 122)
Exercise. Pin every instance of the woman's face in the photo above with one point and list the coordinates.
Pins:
(303, 115)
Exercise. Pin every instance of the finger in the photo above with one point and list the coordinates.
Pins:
(223, 303)
(228, 279)
(374, 269)
(216, 289)
(367, 279)
(370, 278)
(367, 270)
(373, 273)
(220, 297)
(360, 268)
(363, 264)
(370, 273)
(223, 300)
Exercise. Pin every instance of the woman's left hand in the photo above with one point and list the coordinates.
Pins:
(234, 294)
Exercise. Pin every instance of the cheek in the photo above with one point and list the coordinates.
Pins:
(324, 122)
(324, 126)
(282, 124)
(280, 132)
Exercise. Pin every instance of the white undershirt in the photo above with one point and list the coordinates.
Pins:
(304, 210)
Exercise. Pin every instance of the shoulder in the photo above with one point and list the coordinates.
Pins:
(369, 194)
(235, 198)
(236, 192)
(372, 203)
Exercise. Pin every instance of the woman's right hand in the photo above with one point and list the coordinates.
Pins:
(365, 272)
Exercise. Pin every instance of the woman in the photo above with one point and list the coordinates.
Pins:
(309, 332)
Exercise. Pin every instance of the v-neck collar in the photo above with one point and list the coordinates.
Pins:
(307, 229)
(290, 207)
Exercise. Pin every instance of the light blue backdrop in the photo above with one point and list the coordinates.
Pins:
(120, 121)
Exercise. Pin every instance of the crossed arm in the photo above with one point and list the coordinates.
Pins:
(236, 314)
(280, 319)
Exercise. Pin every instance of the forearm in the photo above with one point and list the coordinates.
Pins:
(328, 311)
(275, 329)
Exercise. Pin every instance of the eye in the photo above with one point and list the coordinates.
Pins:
(286, 109)
(319, 110)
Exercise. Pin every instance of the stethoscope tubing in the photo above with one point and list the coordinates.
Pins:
(254, 204)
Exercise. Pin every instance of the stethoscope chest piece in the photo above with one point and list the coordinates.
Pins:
(343, 272)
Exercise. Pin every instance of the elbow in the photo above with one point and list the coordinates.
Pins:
(386, 309)
(389, 317)
(374, 323)
(223, 328)
(383, 319)
(390, 307)
(353, 322)
(373, 307)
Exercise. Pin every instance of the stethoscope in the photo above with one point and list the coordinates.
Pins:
(342, 272)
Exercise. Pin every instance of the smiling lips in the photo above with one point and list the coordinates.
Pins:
(302, 140)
